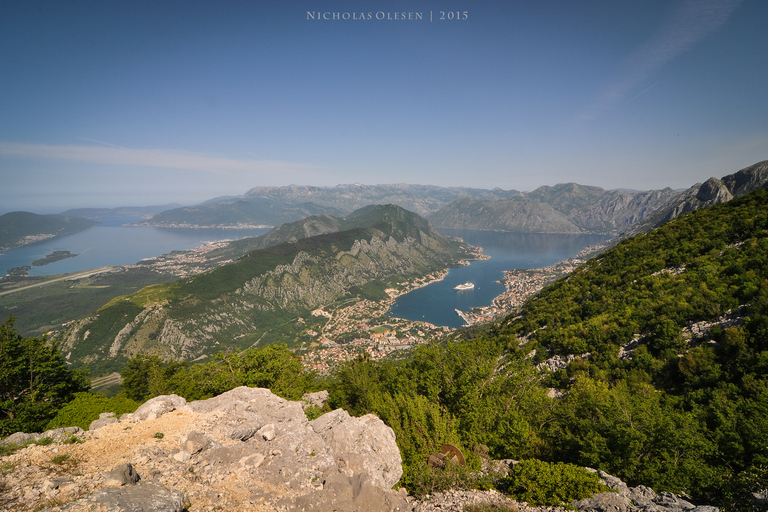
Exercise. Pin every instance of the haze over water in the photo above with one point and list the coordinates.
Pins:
(114, 242)
(437, 303)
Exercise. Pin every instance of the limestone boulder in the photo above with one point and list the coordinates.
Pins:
(157, 406)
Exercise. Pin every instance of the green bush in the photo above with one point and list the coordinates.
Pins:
(550, 484)
(737, 488)
(86, 408)
(423, 479)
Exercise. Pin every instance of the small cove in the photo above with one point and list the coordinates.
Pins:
(437, 302)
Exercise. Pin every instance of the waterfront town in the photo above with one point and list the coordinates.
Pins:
(186, 263)
(366, 328)
(360, 327)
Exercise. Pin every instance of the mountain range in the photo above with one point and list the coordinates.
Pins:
(563, 208)
(268, 294)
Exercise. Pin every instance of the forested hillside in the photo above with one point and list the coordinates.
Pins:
(668, 384)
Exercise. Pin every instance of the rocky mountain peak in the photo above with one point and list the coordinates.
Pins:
(714, 191)
(711, 192)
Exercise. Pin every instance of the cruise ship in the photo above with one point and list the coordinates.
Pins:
(465, 286)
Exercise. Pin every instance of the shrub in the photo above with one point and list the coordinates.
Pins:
(86, 408)
(423, 479)
(550, 484)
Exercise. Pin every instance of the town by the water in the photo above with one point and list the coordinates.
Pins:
(365, 327)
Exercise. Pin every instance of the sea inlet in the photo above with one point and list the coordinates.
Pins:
(437, 302)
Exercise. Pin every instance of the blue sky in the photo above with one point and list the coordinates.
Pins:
(140, 103)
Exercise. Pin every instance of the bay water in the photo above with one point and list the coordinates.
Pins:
(437, 302)
(114, 242)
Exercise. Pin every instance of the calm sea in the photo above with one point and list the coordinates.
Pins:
(437, 303)
(114, 242)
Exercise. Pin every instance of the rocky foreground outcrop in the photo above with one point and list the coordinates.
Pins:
(245, 450)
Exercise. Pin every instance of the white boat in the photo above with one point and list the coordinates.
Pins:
(465, 286)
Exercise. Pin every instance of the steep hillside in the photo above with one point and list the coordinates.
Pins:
(564, 208)
(681, 310)
(704, 265)
(267, 295)
(711, 192)
(518, 214)
(21, 228)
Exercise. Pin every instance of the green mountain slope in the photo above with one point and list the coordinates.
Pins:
(21, 228)
(698, 268)
(665, 338)
(267, 295)
(655, 353)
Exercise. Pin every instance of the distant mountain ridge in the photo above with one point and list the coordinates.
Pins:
(711, 192)
(420, 199)
(267, 295)
(564, 208)
(22, 228)
(272, 206)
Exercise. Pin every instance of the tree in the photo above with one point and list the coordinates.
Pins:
(34, 381)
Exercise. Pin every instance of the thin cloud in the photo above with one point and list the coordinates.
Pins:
(99, 142)
(157, 158)
(693, 21)
(640, 93)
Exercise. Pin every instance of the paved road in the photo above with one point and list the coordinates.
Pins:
(65, 277)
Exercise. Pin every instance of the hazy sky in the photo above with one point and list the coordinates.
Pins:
(111, 103)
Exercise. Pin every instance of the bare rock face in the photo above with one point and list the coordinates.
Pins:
(139, 498)
(362, 444)
(713, 191)
(246, 449)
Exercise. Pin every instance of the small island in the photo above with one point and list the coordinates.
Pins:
(53, 257)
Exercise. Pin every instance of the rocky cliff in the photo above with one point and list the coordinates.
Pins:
(711, 192)
(564, 208)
